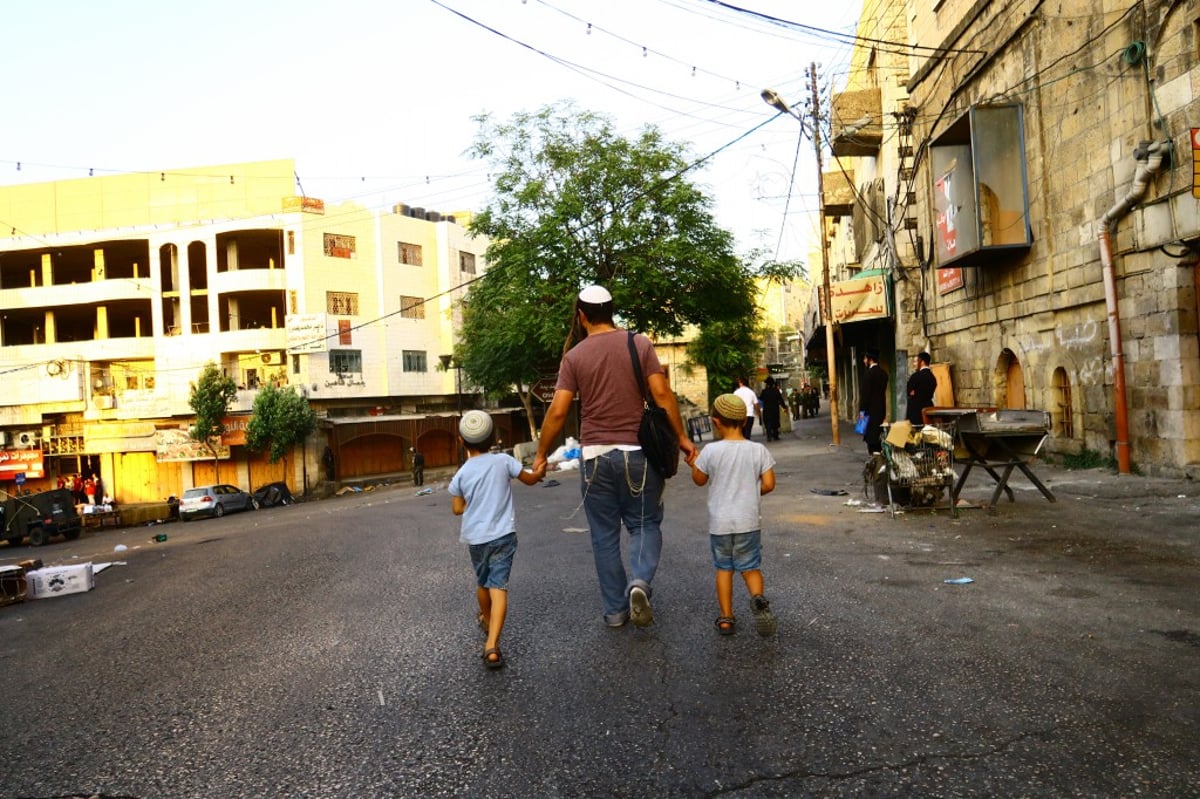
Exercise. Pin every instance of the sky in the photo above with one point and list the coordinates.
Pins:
(375, 99)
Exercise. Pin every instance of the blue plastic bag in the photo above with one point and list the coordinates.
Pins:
(860, 424)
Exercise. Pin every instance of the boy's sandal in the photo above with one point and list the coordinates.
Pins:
(483, 623)
(725, 625)
(493, 659)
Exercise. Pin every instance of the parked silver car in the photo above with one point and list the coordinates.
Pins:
(214, 500)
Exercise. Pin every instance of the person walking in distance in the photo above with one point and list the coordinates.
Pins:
(747, 396)
(921, 386)
(617, 483)
(737, 472)
(481, 492)
(771, 401)
(418, 467)
(874, 401)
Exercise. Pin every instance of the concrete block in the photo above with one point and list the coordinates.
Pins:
(1154, 225)
(1174, 95)
(1170, 372)
(1187, 213)
(1166, 347)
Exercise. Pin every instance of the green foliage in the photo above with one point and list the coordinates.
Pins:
(210, 397)
(575, 203)
(727, 349)
(280, 420)
(1090, 459)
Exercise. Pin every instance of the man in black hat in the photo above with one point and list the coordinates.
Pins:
(921, 386)
(874, 400)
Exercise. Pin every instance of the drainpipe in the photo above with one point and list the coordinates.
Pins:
(1149, 157)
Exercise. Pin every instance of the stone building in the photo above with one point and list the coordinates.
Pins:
(1034, 177)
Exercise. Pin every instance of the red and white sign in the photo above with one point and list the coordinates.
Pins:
(21, 461)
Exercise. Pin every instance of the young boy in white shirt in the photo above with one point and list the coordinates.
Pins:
(738, 472)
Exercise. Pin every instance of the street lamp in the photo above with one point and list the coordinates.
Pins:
(771, 98)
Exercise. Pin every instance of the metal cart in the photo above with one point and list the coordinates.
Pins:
(921, 472)
(998, 441)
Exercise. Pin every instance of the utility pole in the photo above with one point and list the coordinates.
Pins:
(831, 365)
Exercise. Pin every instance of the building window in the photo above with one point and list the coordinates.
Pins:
(466, 262)
(415, 361)
(345, 361)
(341, 303)
(338, 246)
(412, 307)
(1063, 414)
(409, 253)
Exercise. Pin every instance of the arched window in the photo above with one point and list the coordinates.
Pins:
(1062, 414)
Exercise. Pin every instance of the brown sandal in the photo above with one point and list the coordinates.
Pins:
(493, 659)
(725, 625)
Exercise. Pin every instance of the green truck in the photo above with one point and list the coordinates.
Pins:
(39, 516)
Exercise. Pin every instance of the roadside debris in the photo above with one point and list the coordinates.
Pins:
(958, 581)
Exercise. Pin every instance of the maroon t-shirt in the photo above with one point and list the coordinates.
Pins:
(599, 370)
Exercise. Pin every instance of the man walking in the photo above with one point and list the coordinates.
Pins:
(921, 386)
(617, 483)
(418, 467)
(747, 395)
(874, 401)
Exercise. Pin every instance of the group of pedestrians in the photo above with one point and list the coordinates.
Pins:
(618, 485)
(84, 490)
(621, 488)
(921, 387)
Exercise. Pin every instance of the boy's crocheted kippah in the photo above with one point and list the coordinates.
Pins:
(475, 427)
(731, 407)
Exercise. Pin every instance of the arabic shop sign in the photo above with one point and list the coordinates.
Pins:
(860, 300)
(21, 461)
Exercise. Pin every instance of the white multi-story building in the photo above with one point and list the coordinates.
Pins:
(116, 291)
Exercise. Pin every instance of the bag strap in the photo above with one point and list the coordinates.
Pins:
(637, 367)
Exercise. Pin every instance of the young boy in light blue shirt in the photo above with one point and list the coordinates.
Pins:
(481, 492)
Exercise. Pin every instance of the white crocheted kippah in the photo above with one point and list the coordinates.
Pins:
(475, 427)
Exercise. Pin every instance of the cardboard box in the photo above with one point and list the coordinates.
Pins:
(60, 580)
(12, 584)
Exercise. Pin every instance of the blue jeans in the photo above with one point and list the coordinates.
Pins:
(620, 487)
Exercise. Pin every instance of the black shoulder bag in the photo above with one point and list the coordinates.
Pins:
(658, 439)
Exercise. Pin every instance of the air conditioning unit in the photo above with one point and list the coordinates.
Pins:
(272, 358)
(28, 438)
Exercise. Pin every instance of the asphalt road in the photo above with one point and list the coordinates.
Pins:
(329, 649)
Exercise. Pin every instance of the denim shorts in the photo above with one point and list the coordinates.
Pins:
(493, 561)
(741, 552)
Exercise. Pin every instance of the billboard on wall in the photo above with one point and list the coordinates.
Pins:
(176, 445)
(307, 332)
(860, 300)
(21, 461)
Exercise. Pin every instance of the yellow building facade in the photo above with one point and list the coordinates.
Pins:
(116, 291)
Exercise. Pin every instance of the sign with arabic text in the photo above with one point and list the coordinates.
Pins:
(306, 333)
(859, 300)
(21, 461)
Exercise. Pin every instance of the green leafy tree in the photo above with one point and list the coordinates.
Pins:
(575, 203)
(280, 420)
(210, 397)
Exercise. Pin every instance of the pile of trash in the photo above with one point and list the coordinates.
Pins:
(565, 457)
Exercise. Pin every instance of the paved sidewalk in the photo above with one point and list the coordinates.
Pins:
(1096, 513)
